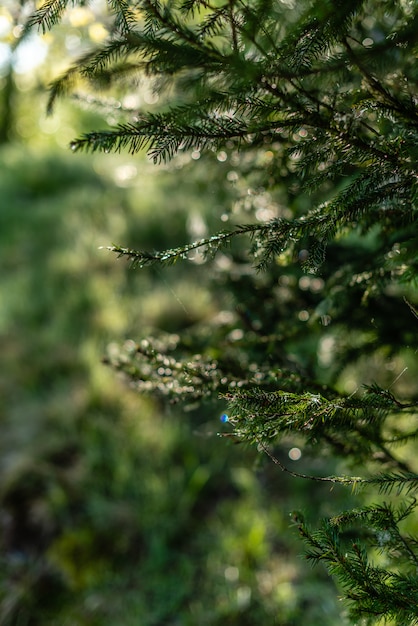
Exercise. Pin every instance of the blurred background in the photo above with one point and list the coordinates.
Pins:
(113, 509)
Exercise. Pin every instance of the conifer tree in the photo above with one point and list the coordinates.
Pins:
(315, 105)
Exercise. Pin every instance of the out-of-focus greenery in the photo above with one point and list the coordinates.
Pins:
(111, 512)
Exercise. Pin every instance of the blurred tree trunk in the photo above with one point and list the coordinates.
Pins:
(8, 118)
(16, 11)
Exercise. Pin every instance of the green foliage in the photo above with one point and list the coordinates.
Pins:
(314, 106)
(106, 504)
(388, 589)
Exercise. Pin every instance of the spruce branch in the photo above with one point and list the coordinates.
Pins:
(62, 85)
(125, 15)
(163, 135)
(274, 237)
(48, 15)
(350, 426)
(370, 591)
(211, 245)
(278, 235)
(378, 87)
(395, 481)
(353, 481)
